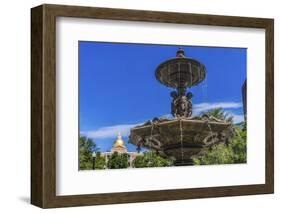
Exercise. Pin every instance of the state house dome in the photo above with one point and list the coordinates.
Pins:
(119, 142)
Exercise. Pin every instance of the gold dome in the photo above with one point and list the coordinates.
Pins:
(119, 142)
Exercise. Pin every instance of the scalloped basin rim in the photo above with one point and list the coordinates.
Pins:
(184, 120)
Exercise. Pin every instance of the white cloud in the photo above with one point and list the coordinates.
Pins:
(202, 107)
(198, 108)
(237, 118)
(124, 129)
(109, 131)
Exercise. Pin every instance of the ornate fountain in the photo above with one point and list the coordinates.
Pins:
(182, 137)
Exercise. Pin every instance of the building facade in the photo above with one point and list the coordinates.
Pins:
(119, 146)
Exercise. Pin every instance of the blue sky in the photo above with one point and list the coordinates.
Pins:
(118, 89)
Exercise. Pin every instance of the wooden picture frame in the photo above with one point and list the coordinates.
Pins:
(43, 105)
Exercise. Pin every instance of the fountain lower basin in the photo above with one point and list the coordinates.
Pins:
(180, 139)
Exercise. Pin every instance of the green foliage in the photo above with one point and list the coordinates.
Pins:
(219, 114)
(118, 161)
(86, 148)
(238, 145)
(151, 159)
(100, 162)
(233, 152)
(218, 154)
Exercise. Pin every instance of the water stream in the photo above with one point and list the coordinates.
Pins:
(181, 140)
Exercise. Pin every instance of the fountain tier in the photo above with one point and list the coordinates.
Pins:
(180, 72)
(180, 139)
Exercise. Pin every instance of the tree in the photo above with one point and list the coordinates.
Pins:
(219, 114)
(86, 147)
(217, 154)
(151, 159)
(233, 152)
(238, 144)
(118, 161)
(100, 162)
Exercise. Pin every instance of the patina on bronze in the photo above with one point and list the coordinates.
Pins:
(184, 136)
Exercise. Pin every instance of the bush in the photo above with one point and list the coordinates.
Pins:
(100, 162)
(118, 161)
(151, 159)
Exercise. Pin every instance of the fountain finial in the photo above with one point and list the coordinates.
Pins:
(180, 53)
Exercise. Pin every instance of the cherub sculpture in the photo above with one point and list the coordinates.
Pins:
(181, 105)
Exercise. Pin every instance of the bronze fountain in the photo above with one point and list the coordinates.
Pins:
(182, 137)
